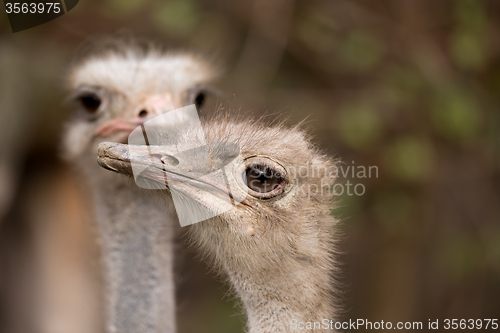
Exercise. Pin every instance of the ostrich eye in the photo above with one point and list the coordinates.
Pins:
(199, 99)
(90, 102)
(262, 179)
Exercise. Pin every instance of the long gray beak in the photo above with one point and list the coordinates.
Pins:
(199, 173)
(159, 162)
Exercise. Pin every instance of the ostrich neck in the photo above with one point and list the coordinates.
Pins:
(137, 249)
(280, 277)
(274, 304)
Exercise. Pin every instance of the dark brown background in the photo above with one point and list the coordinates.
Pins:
(412, 87)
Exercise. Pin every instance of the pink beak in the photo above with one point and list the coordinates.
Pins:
(151, 106)
(116, 126)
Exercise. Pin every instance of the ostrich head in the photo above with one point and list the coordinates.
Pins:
(120, 88)
(274, 234)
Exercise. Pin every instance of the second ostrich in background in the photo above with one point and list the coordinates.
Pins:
(115, 91)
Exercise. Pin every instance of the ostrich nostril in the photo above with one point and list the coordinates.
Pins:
(143, 113)
(169, 159)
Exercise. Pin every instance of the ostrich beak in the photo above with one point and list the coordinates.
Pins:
(118, 126)
(199, 173)
(157, 162)
(150, 107)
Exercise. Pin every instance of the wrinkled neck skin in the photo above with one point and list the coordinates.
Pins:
(137, 236)
(279, 276)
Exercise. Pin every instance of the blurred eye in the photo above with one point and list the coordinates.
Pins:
(262, 179)
(90, 102)
(199, 99)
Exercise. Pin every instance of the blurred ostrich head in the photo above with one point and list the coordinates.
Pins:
(122, 85)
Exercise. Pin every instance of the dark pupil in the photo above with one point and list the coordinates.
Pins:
(90, 102)
(262, 179)
(200, 98)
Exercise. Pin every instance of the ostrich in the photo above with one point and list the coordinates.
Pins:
(274, 237)
(115, 90)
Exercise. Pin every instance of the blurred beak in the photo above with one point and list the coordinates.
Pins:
(149, 107)
(117, 126)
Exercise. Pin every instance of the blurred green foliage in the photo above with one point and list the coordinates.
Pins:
(177, 16)
(359, 126)
(468, 43)
(361, 50)
(317, 30)
(456, 114)
(409, 158)
(394, 210)
(462, 256)
(122, 7)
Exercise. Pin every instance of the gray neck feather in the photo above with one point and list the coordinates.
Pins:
(137, 249)
(279, 277)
